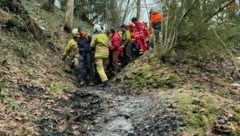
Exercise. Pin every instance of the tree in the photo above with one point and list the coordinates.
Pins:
(138, 8)
(104, 12)
(114, 15)
(69, 16)
(63, 4)
(49, 5)
(125, 11)
(191, 21)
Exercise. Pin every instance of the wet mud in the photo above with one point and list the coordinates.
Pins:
(95, 111)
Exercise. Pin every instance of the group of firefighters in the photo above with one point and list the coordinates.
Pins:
(119, 47)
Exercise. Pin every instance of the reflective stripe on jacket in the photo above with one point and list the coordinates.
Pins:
(101, 44)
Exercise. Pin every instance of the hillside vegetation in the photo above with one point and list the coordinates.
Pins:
(32, 74)
(191, 90)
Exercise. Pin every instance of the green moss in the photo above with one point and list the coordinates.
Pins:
(199, 110)
(57, 89)
(2, 53)
(153, 60)
(152, 75)
(11, 105)
(237, 117)
(23, 49)
(235, 109)
(4, 83)
(6, 96)
(221, 82)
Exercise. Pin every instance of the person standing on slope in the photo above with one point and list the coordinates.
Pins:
(156, 20)
(85, 56)
(135, 45)
(116, 49)
(127, 43)
(139, 35)
(101, 43)
(146, 32)
(71, 50)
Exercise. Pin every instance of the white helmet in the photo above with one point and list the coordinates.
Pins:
(154, 9)
(97, 28)
(75, 31)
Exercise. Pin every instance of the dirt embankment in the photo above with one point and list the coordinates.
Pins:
(38, 98)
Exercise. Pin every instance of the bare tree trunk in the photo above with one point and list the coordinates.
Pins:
(138, 9)
(49, 5)
(125, 12)
(107, 17)
(145, 2)
(69, 16)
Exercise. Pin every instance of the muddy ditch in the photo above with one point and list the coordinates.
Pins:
(95, 111)
(74, 116)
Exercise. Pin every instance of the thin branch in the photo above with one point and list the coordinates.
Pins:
(234, 61)
(210, 17)
(125, 12)
(188, 11)
(146, 7)
(219, 10)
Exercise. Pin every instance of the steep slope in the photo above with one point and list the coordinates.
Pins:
(31, 72)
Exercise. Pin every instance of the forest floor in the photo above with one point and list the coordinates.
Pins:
(38, 95)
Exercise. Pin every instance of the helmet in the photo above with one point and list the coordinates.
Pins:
(131, 25)
(75, 31)
(123, 26)
(97, 28)
(153, 10)
(79, 27)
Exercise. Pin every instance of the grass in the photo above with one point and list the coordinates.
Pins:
(237, 117)
(45, 19)
(7, 97)
(23, 50)
(57, 89)
(12, 106)
(21, 44)
(2, 53)
(4, 84)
